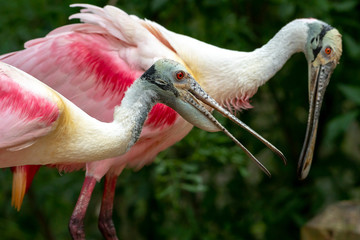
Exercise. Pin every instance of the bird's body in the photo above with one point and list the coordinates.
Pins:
(93, 62)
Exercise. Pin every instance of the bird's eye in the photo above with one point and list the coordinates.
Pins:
(328, 50)
(180, 75)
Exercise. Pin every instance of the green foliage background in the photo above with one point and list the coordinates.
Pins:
(204, 187)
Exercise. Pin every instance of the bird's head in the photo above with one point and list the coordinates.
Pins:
(175, 87)
(323, 50)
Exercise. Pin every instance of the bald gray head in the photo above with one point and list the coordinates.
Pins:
(323, 42)
(162, 77)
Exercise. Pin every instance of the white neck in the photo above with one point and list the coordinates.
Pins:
(227, 75)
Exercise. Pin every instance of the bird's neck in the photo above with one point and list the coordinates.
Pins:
(232, 77)
(134, 109)
(266, 61)
(81, 138)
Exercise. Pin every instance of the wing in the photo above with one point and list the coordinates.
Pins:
(28, 109)
(92, 64)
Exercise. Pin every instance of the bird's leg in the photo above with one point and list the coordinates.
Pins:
(106, 224)
(76, 224)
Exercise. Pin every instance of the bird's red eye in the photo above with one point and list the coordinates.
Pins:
(328, 50)
(180, 75)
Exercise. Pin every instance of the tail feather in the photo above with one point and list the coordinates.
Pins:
(22, 179)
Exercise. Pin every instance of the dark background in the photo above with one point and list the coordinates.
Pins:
(204, 187)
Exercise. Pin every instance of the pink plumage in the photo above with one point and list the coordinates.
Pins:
(24, 115)
(27, 106)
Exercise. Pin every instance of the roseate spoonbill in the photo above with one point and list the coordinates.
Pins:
(112, 48)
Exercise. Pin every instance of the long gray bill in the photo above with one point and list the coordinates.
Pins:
(199, 93)
(202, 95)
(321, 77)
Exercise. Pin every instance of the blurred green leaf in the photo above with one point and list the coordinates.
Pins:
(351, 92)
(339, 125)
(352, 47)
(344, 6)
(158, 4)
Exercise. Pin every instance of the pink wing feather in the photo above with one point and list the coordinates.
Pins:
(25, 115)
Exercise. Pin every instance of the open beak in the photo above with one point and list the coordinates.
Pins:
(319, 77)
(191, 94)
